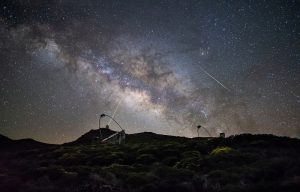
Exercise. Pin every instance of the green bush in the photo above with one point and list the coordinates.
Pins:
(69, 177)
(164, 153)
(170, 173)
(53, 172)
(139, 179)
(119, 170)
(100, 160)
(199, 145)
(72, 158)
(83, 171)
(224, 177)
(170, 161)
(151, 149)
(149, 188)
(222, 150)
(129, 158)
(146, 159)
(192, 154)
(191, 160)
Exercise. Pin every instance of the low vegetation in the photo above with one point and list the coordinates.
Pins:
(237, 163)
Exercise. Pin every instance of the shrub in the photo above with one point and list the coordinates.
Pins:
(138, 179)
(117, 168)
(149, 188)
(147, 150)
(146, 159)
(170, 173)
(191, 154)
(199, 145)
(129, 158)
(222, 150)
(164, 153)
(72, 158)
(100, 160)
(83, 171)
(170, 161)
(222, 177)
(69, 177)
(191, 160)
(53, 172)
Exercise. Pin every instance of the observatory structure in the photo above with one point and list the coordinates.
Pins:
(116, 138)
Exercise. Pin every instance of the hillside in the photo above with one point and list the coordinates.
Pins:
(152, 162)
(92, 136)
(5, 140)
(8, 144)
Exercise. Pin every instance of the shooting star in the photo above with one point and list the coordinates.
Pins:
(215, 79)
(116, 109)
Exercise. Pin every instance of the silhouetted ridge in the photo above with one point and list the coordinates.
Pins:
(149, 136)
(5, 140)
(92, 135)
(20, 144)
(259, 140)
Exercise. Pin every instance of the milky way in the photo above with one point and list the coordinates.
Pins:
(170, 65)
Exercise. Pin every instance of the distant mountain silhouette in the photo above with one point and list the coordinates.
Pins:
(149, 136)
(89, 137)
(5, 140)
(20, 144)
(93, 135)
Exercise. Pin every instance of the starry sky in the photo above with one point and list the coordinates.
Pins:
(163, 66)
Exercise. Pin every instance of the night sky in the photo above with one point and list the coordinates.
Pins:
(158, 66)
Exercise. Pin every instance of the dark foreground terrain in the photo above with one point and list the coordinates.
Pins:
(150, 162)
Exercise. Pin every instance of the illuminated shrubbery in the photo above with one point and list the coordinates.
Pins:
(222, 150)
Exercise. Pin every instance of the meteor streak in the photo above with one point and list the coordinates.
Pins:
(215, 79)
